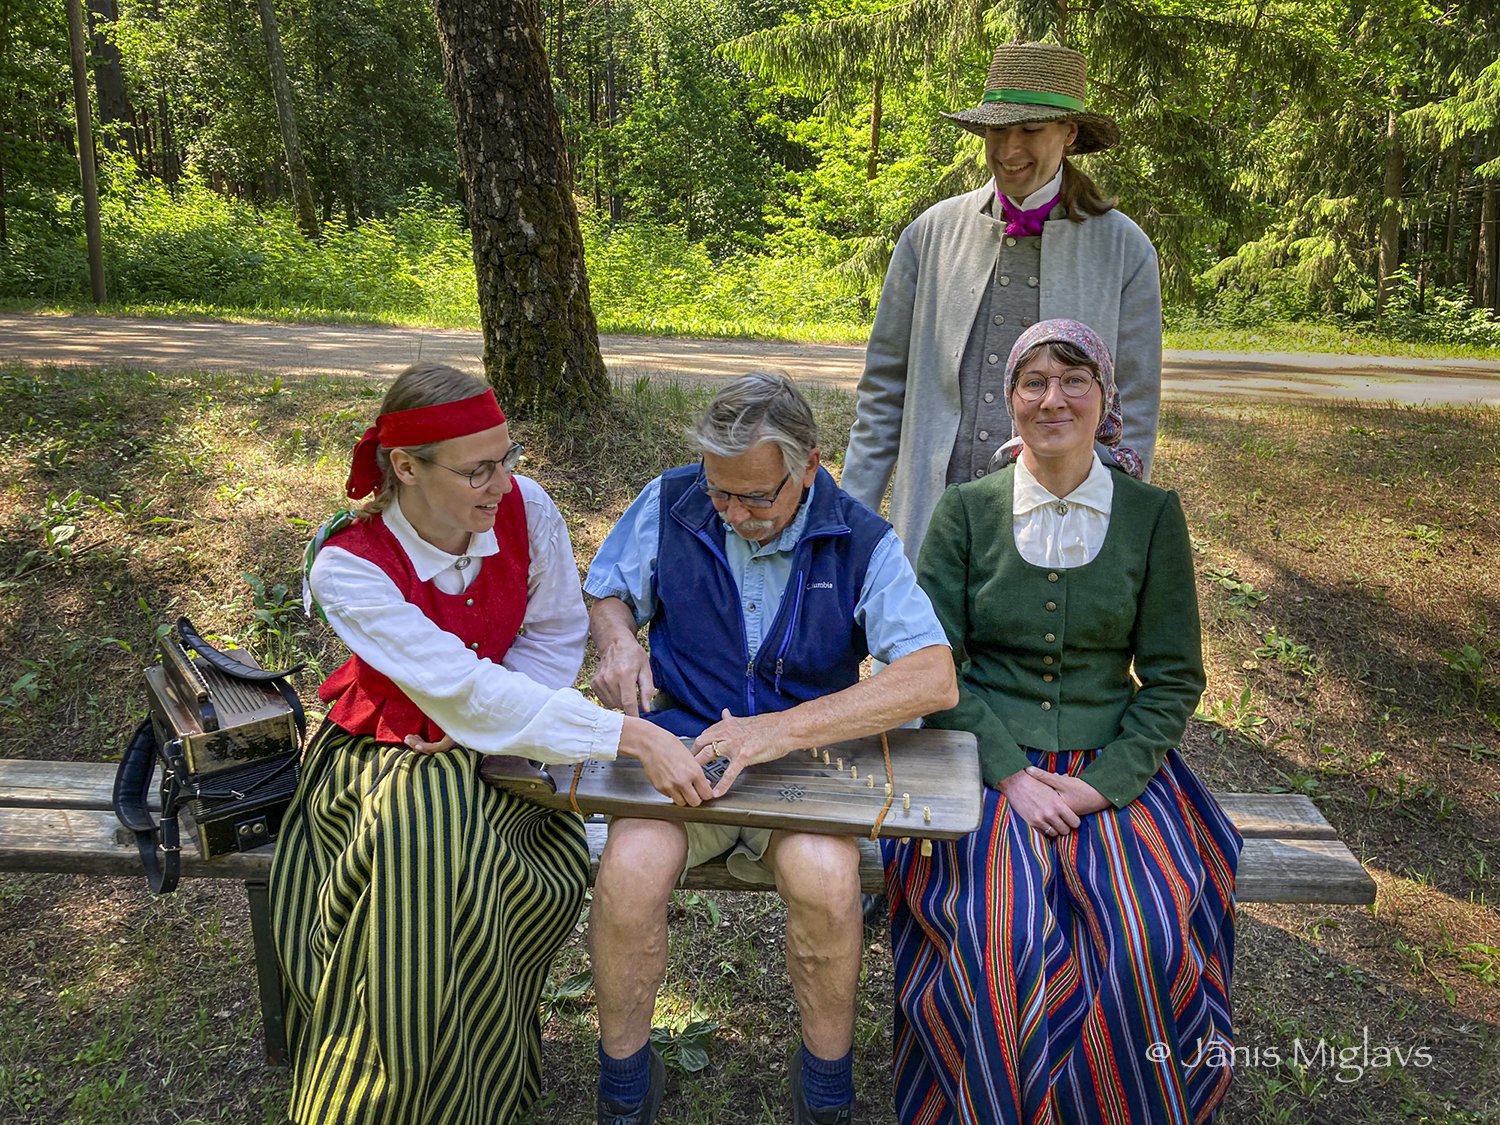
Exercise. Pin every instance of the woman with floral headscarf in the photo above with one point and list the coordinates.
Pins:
(1070, 960)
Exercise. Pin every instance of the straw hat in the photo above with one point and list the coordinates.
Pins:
(1038, 82)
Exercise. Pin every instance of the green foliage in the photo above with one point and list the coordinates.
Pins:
(1242, 593)
(195, 245)
(651, 279)
(367, 81)
(687, 1049)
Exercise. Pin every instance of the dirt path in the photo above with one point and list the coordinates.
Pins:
(311, 349)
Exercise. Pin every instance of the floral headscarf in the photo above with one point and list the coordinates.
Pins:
(1086, 340)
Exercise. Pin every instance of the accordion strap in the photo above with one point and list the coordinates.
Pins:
(228, 664)
(160, 850)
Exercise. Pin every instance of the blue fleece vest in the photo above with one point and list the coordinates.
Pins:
(699, 655)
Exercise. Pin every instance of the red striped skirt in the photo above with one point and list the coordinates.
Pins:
(1078, 979)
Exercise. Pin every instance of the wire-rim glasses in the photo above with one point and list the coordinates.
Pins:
(1074, 384)
(484, 472)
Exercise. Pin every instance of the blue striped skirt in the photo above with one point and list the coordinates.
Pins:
(1078, 979)
(416, 911)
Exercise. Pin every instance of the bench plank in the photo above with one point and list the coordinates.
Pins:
(88, 785)
(91, 841)
(1282, 816)
(56, 785)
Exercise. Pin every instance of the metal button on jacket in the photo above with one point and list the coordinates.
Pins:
(989, 396)
(474, 644)
(1004, 280)
(1051, 606)
(993, 358)
(1047, 677)
(1010, 241)
(1052, 576)
(1049, 638)
(978, 472)
(1033, 282)
(1062, 508)
(468, 601)
(1046, 705)
(1047, 660)
(999, 319)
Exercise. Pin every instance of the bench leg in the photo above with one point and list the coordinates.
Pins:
(268, 974)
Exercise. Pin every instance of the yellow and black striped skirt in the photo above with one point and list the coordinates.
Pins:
(417, 910)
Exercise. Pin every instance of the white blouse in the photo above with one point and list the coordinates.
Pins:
(526, 704)
(1061, 531)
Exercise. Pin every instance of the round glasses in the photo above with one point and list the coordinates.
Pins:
(484, 472)
(1074, 384)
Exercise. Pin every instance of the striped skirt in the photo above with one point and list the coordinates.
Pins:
(416, 911)
(1082, 979)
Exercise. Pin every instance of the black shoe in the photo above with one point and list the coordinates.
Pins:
(611, 1112)
(802, 1114)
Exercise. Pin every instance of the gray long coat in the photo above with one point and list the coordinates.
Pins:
(1102, 272)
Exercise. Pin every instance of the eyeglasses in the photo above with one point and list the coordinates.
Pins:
(719, 496)
(484, 472)
(1074, 384)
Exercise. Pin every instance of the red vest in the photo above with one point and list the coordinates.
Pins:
(485, 617)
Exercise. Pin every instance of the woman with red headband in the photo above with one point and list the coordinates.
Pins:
(417, 908)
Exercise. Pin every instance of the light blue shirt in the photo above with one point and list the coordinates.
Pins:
(893, 610)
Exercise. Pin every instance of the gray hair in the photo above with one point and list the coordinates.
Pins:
(763, 406)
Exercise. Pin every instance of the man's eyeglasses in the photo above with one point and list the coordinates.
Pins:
(719, 496)
(484, 472)
(1074, 384)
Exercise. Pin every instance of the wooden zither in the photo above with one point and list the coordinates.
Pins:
(920, 783)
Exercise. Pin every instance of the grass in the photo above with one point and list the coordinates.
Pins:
(1347, 573)
(1314, 337)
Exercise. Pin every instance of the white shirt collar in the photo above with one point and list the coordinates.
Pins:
(426, 559)
(1042, 194)
(1096, 492)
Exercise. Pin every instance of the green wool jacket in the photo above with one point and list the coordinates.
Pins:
(1045, 655)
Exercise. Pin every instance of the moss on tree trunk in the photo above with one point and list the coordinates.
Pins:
(541, 342)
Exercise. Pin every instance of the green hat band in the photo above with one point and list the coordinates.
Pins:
(1034, 97)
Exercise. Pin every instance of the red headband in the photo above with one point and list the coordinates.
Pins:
(420, 426)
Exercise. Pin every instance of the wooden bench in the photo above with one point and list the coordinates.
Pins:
(56, 817)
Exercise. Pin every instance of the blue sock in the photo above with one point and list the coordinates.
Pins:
(827, 1082)
(625, 1081)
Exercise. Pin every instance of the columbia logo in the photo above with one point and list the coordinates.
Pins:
(820, 585)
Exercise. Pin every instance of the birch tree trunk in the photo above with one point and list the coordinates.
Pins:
(541, 342)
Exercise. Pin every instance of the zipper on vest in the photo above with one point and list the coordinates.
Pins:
(791, 626)
(750, 687)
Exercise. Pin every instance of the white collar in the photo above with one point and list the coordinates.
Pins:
(426, 559)
(1051, 188)
(1096, 492)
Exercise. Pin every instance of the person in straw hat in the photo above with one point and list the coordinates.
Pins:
(971, 273)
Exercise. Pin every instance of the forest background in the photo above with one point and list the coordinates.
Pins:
(744, 166)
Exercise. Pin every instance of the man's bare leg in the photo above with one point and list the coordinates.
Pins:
(818, 877)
